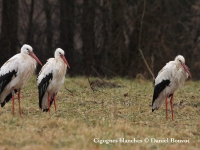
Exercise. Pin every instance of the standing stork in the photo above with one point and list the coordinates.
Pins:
(51, 78)
(15, 73)
(171, 77)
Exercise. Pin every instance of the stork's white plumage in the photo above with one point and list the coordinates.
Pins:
(15, 73)
(169, 79)
(51, 78)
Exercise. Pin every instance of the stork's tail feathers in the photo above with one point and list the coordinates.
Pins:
(8, 97)
(154, 109)
(157, 96)
(42, 87)
(47, 109)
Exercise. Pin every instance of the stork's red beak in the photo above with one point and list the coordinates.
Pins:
(64, 59)
(186, 69)
(35, 57)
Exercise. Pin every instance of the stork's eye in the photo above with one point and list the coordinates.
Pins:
(180, 61)
(60, 53)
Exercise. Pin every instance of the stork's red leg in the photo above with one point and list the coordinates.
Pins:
(54, 100)
(49, 102)
(166, 108)
(171, 103)
(20, 112)
(13, 101)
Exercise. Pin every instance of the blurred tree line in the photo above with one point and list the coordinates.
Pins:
(103, 35)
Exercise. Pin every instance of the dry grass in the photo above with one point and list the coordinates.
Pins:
(107, 114)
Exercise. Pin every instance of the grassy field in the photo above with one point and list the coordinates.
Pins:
(107, 118)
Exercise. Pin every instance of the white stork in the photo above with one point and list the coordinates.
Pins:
(15, 73)
(171, 77)
(51, 78)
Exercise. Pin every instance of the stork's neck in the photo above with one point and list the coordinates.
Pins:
(58, 58)
(179, 66)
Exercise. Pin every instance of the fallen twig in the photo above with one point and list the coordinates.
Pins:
(90, 84)
(98, 74)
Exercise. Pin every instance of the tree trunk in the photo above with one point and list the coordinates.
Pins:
(118, 51)
(102, 37)
(67, 31)
(49, 33)
(29, 35)
(88, 35)
(8, 37)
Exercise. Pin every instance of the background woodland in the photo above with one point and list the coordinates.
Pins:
(104, 35)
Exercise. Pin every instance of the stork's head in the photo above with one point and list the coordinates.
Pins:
(27, 49)
(181, 60)
(60, 53)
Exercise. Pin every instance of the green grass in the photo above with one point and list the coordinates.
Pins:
(107, 113)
